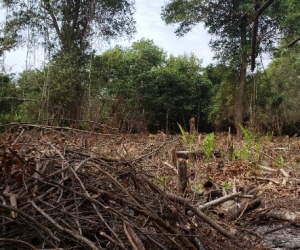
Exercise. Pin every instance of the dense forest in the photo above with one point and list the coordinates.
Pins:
(141, 88)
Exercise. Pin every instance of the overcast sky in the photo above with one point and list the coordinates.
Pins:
(149, 25)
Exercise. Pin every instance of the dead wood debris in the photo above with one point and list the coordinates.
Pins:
(60, 193)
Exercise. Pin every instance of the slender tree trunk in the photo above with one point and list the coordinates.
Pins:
(167, 121)
(77, 76)
(239, 114)
(198, 114)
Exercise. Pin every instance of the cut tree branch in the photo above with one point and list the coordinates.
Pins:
(70, 232)
(19, 242)
(32, 220)
(200, 214)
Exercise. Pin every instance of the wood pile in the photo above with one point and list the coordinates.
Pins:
(64, 189)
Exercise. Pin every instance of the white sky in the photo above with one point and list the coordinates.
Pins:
(149, 25)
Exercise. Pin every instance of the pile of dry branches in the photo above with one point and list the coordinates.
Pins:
(59, 191)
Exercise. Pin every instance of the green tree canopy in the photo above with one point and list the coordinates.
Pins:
(232, 25)
(144, 84)
(66, 25)
(289, 14)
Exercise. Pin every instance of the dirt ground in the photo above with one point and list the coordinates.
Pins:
(87, 190)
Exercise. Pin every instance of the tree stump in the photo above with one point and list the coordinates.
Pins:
(172, 157)
(182, 176)
(192, 125)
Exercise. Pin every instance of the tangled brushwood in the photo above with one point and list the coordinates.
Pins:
(66, 189)
(59, 193)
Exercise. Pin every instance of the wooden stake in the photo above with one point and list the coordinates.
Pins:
(182, 175)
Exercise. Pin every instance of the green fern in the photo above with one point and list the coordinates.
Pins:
(208, 145)
(188, 139)
(183, 135)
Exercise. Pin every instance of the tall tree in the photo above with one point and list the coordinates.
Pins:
(69, 28)
(278, 93)
(221, 107)
(230, 24)
(71, 24)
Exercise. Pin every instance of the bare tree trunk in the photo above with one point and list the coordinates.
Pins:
(198, 114)
(167, 121)
(239, 115)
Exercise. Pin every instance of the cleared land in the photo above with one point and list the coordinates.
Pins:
(63, 188)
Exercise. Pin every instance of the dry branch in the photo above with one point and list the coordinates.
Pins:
(71, 232)
(218, 201)
(78, 199)
(19, 242)
(32, 220)
(133, 238)
(244, 206)
(284, 214)
(200, 214)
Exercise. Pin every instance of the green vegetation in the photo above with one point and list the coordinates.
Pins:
(240, 31)
(279, 161)
(66, 30)
(250, 148)
(227, 185)
(141, 88)
(196, 187)
(208, 145)
(8, 100)
(187, 139)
